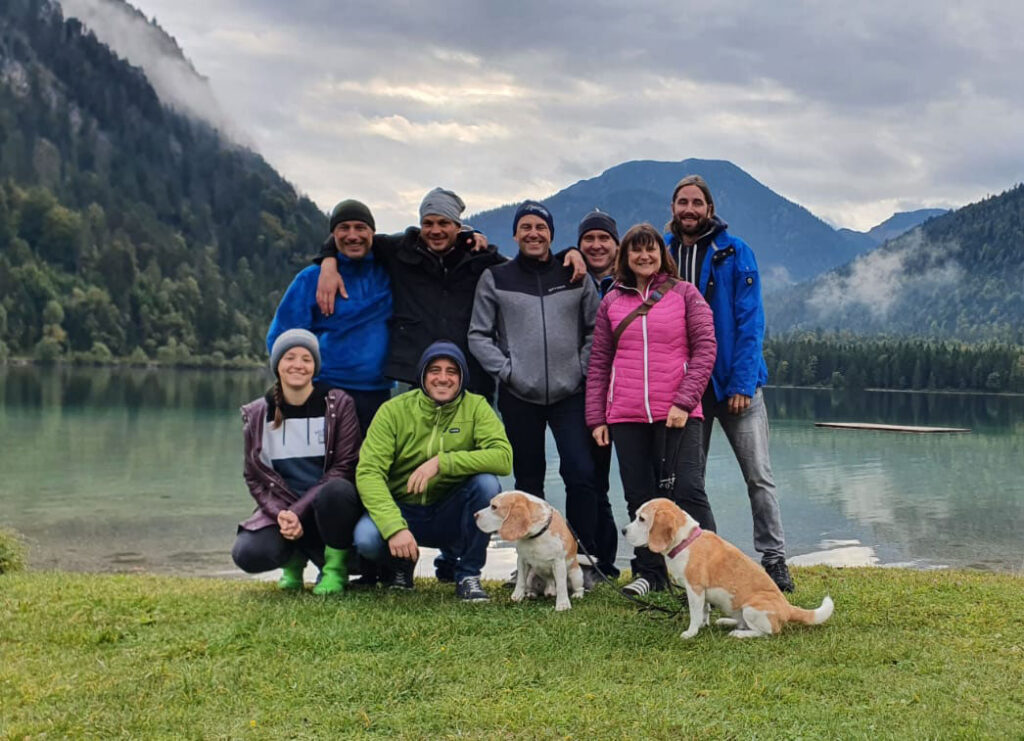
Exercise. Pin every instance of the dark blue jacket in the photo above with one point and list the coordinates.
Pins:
(732, 287)
(354, 339)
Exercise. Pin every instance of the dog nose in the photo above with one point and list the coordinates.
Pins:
(623, 531)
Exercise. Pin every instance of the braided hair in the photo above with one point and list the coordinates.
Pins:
(278, 404)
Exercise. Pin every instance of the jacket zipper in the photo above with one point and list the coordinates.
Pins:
(430, 446)
(544, 336)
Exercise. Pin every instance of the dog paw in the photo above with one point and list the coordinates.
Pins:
(726, 622)
(562, 606)
(689, 633)
(518, 595)
(577, 595)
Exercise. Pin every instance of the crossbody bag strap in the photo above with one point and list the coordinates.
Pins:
(641, 310)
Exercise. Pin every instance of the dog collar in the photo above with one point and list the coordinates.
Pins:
(694, 534)
(547, 524)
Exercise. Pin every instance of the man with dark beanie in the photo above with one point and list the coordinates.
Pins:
(354, 340)
(531, 329)
(430, 460)
(723, 267)
(598, 240)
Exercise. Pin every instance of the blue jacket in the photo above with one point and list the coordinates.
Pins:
(354, 339)
(732, 287)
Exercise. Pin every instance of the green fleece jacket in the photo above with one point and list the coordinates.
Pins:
(410, 429)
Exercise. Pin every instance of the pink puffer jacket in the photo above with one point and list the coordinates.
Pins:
(663, 359)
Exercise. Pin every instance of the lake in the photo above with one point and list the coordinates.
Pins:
(109, 469)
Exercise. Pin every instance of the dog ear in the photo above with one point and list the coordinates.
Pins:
(517, 521)
(662, 527)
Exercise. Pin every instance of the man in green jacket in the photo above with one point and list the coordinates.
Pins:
(431, 459)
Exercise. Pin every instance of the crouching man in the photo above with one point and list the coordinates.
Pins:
(431, 459)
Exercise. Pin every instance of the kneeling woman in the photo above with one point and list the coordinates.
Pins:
(301, 448)
(653, 352)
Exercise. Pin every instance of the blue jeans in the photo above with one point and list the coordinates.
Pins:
(447, 524)
(747, 433)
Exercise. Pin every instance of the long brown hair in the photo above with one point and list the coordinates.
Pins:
(641, 235)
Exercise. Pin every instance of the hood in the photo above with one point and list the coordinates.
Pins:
(445, 349)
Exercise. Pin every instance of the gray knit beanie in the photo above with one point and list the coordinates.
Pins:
(443, 203)
(352, 210)
(295, 338)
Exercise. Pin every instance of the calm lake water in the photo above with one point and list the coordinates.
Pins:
(136, 470)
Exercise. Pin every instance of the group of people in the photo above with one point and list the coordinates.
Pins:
(640, 343)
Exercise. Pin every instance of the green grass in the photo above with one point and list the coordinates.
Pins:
(910, 654)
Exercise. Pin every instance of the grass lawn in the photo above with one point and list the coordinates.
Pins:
(937, 654)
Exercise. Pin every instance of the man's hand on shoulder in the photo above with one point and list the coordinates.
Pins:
(574, 259)
(479, 243)
(328, 285)
(420, 478)
(738, 403)
(403, 545)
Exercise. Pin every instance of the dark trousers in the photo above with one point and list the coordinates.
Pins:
(606, 535)
(329, 521)
(650, 455)
(586, 508)
(367, 404)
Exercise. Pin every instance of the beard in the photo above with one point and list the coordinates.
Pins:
(702, 225)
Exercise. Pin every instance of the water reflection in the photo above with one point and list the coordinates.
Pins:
(140, 469)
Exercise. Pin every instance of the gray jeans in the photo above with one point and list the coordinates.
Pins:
(747, 433)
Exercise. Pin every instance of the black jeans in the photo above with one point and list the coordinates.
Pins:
(586, 507)
(650, 455)
(330, 521)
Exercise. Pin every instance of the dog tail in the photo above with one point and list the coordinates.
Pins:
(812, 617)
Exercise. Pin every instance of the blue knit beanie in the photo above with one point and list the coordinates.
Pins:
(533, 208)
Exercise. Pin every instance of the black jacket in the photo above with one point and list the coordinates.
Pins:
(433, 300)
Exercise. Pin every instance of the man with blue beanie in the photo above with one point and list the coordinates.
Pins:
(431, 459)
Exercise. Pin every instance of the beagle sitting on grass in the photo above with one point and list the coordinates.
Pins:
(716, 573)
(546, 549)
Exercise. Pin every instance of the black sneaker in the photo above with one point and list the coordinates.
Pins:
(510, 583)
(469, 589)
(779, 573)
(402, 578)
(590, 578)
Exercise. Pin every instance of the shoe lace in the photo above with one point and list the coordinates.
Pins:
(471, 584)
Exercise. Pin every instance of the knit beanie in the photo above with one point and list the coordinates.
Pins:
(598, 219)
(533, 208)
(443, 203)
(352, 210)
(295, 338)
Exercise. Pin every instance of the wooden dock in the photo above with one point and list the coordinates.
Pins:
(890, 428)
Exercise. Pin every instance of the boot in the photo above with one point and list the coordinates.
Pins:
(334, 573)
(291, 573)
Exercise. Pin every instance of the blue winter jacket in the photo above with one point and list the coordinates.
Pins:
(354, 339)
(732, 287)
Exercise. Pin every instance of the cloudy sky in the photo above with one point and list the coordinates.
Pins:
(854, 110)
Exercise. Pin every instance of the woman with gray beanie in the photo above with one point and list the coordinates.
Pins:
(301, 447)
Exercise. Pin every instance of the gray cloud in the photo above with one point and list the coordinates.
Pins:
(854, 111)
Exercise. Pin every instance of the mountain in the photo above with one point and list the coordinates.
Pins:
(143, 43)
(897, 224)
(791, 243)
(127, 228)
(956, 276)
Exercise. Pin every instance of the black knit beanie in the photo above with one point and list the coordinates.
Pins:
(597, 219)
(352, 210)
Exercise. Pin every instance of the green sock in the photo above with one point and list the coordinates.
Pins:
(334, 574)
(291, 573)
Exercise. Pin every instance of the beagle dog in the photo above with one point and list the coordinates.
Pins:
(716, 573)
(545, 548)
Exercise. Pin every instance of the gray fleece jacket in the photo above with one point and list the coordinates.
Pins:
(532, 328)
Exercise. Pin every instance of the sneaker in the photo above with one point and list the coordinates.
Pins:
(779, 573)
(510, 583)
(402, 578)
(469, 589)
(638, 588)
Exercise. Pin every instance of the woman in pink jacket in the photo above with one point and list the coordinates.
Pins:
(652, 356)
